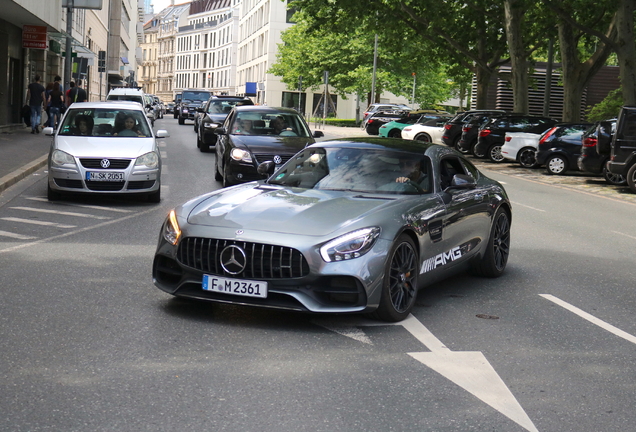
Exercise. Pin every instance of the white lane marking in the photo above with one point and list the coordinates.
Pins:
(60, 213)
(526, 206)
(469, 370)
(92, 207)
(624, 235)
(34, 222)
(591, 318)
(164, 155)
(15, 236)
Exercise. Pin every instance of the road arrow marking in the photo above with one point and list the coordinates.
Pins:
(469, 370)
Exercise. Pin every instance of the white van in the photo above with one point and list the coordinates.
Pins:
(135, 95)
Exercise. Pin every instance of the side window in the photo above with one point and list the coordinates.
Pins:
(449, 166)
(470, 169)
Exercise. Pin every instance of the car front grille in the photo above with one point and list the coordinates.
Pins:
(105, 186)
(263, 261)
(97, 163)
(260, 158)
(67, 183)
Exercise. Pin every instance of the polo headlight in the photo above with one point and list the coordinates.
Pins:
(149, 160)
(171, 230)
(241, 155)
(61, 158)
(349, 246)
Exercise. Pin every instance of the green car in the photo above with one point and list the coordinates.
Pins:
(394, 129)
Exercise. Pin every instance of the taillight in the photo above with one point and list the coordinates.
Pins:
(508, 139)
(466, 128)
(590, 142)
(447, 126)
(547, 135)
(370, 121)
(484, 132)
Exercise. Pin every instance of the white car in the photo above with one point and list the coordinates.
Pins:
(429, 131)
(105, 148)
(134, 94)
(521, 147)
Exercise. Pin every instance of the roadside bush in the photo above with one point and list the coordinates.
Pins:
(608, 108)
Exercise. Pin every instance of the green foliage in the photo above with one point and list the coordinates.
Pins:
(608, 108)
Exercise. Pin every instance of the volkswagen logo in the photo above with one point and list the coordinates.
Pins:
(105, 163)
(233, 259)
(278, 160)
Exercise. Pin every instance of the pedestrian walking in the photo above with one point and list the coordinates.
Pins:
(47, 94)
(77, 94)
(56, 101)
(36, 98)
(68, 93)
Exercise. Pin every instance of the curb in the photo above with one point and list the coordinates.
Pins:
(20, 173)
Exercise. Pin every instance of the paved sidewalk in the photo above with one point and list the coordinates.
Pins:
(21, 154)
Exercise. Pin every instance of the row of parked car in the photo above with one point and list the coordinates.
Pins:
(531, 141)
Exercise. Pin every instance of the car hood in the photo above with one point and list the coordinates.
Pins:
(122, 147)
(271, 143)
(284, 210)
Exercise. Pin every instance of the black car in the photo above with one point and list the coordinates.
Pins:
(470, 131)
(453, 127)
(190, 101)
(559, 147)
(255, 134)
(623, 155)
(492, 135)
(212, 115)
(596, 150)
(380, 118)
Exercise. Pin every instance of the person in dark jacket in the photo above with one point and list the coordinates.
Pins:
(36, 98)
(56, 101)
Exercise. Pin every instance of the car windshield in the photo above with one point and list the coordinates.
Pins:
(358, 170)
(222, 106)
(105, 122)
(195, 96)
(269, 123)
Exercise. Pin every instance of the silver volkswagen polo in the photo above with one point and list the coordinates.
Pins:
(105, 148)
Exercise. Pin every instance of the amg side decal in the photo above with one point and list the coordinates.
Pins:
(441, 259)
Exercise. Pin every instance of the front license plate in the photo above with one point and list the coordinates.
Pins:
(105, 176)
(241, 287)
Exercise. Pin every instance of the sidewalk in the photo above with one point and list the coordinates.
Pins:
(21, 154)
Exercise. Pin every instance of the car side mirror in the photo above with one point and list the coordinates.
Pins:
(199, 109)
(266, 168)
(162, 133)
(318, 134)
(220, 131)
(462, 181)
(48, 131)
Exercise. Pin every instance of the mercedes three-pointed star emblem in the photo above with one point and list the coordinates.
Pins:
(233, 259)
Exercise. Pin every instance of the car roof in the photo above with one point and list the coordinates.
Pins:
(268, 109)
(126, 91)
(129, 105)
(379, 143)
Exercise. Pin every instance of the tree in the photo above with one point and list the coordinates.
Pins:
(626, 51)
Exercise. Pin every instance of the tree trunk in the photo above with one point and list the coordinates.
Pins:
(626, 51)
(483, 81)
(514, 11)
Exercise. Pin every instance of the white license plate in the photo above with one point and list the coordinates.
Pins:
(241, 287)
(105, 176)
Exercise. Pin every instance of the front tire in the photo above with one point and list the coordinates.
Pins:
(52, 195)
(399, 288)
(527, 157)
(181, 120)
(556, 165)
(154, 197)
(631, 180)
(494, 261)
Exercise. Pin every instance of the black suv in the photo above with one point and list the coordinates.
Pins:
(190, 101)
(623, 154)
(492, 135)
(212, 115)
(559, 148)
(470, 131)
(596, 151)
(453, 127)
(380, 118)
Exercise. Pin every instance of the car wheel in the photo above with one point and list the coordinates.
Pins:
(615, 179)
(424, 137)
(527, 157)
(556, 165)
(175, 115)
(464, 149)
(154, 197)
(196, 129)
(52, 195)
(631, 178)
(217, 175)
(494, 260)
(476, 152)
(181, 120)
(399, 288)
(224, 181)
(395, 133)
(494, 154)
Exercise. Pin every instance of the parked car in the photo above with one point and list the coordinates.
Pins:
(212, 115)
(521, 147)
(334, 230)
(380, 118)
(492, 135)
(429, 131)
(159, 107)
(470, 131)
(596, 151)
(190, 101)
(375, 107)
(623, 154)
(559, 147)
(454, 126)
(254, 134)
(394, 129)
(105, 148)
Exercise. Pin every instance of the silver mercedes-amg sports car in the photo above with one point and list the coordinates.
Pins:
(346, 226)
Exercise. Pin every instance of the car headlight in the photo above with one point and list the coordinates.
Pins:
(241, 155)
(60, 158)
(150, 160)
(211, 125)
(351, 245)
(172, 231)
